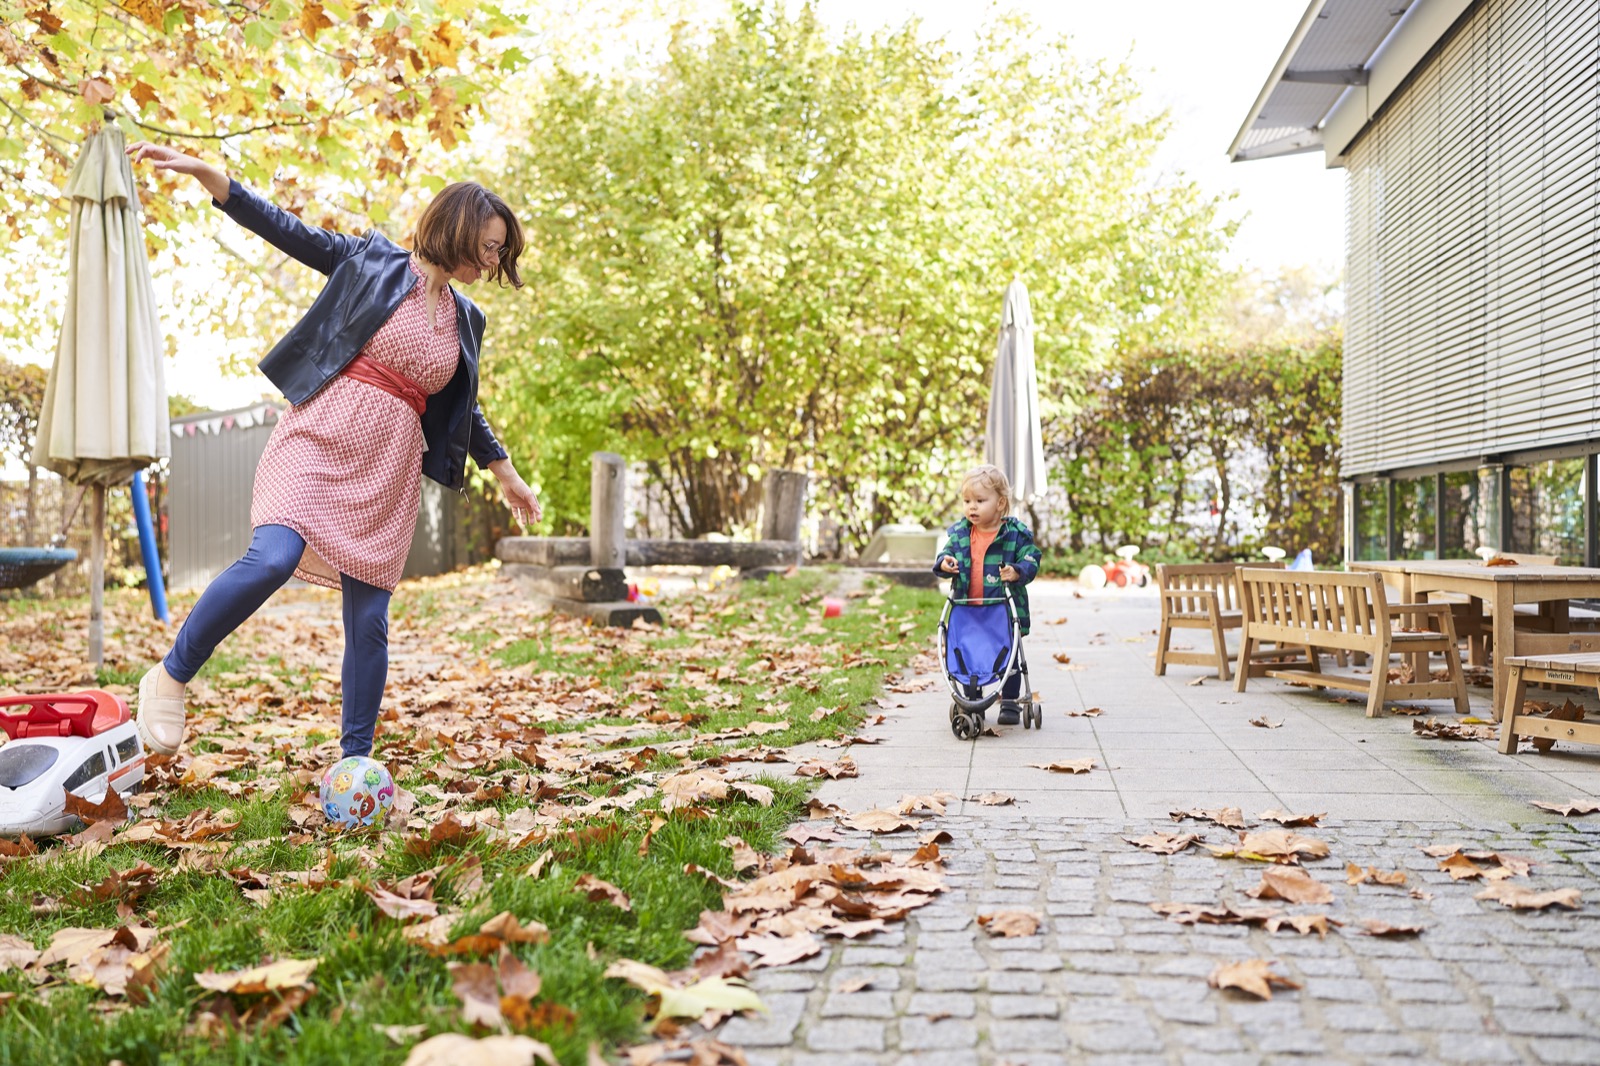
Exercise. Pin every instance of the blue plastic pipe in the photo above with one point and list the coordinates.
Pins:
(147, 549)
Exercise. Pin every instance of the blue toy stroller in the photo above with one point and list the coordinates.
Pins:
(980, 649)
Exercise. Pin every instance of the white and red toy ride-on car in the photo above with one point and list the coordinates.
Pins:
(80, 742)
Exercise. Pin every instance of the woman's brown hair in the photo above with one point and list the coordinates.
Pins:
(447, 234)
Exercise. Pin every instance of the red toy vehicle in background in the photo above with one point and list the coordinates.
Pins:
(85, 743)
(1121, 571)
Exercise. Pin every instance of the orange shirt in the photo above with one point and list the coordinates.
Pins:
(981, 539)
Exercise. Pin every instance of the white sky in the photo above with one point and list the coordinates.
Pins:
(1202, 60)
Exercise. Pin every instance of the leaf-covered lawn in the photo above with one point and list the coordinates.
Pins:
(532, 752)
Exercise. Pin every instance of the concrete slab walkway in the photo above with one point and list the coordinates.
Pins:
(1162, 743)
(1106, 979)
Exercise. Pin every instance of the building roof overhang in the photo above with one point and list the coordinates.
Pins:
(1344, 59)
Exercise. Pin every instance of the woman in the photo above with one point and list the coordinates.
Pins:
(382, 378)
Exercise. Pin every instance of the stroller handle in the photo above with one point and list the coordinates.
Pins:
(967, 601)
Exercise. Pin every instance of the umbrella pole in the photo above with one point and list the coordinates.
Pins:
(97, 580)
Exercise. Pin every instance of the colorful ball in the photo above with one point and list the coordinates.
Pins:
(357, 791)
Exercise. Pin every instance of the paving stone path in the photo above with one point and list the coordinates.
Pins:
(1107, 980)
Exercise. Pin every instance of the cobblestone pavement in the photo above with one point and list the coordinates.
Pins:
(1106, 979)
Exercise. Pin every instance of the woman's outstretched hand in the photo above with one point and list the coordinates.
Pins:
(163, 158)
(525, 506)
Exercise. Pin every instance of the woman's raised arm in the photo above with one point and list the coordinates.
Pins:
(161, 157)
(317, 248)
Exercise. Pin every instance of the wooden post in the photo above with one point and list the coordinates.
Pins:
(783, 505)
(97, 580)
(608, 541)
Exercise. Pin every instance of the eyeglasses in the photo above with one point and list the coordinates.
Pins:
(492, 249)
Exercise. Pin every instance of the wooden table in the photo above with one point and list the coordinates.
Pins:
(1501, 587)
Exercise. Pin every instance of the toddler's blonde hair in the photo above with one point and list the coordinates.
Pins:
(994, 479)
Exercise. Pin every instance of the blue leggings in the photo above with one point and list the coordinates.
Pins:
(239, 591)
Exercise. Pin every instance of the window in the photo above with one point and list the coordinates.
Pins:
(1416, 512)
(128, 749)
(21, 763)
(1468, 521)
(1547, 504)
(92, 767)
(1372, 520)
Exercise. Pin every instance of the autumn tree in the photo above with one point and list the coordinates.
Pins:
(785, 248)
(1186, 449)
(337, 110)
(21, 401)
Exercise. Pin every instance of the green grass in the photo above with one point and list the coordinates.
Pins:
(370, 975)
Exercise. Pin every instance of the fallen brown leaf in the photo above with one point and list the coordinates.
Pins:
(1302, 923)
(994, 799)
(1356, 875)
(1520, 898)
(457, 1049)
(1570, 807)
(1439, 729)
(1214, 914)
(16, 953)
(401, 908)
(1291, 821)
(507, 927)
(1227, 817)
(1438, 851)
(1009, 923)
(1266, 723)
(700, 1052)
(1459, 867)
(780, 950)
(1073, 766)
(128, 886)
(269, 977)
(877, 821)
(1254, 976)
(111, 808)
(1281, 845)
(1164, 843)
(1292, 885)
(602, 891)
(933, 802)
(1373, 927)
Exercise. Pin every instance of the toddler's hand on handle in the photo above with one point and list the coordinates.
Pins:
(1009, 573)
(949, 565)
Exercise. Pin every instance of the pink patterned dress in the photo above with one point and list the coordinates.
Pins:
(344, 469)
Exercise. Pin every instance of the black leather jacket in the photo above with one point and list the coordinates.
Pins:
(367, 278)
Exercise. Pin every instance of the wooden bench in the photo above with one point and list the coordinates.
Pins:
(1201, 596)
(1346, 612)
(1560, 659)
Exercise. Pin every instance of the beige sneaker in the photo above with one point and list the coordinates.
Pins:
(161, 718)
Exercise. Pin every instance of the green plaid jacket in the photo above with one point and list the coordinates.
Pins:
(1013, 544)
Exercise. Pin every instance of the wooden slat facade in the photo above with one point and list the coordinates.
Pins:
(1473, 247)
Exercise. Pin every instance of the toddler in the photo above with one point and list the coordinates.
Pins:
(1005, 550)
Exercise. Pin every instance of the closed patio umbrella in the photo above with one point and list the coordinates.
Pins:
(1014, 440)
(105, 405)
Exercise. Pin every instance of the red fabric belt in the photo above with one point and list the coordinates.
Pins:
(372, 372)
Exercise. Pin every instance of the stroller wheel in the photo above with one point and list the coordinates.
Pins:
(1034, 713)
(965, 727)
